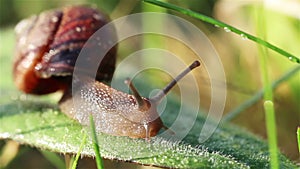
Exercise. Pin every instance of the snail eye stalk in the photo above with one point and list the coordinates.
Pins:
(158, 97)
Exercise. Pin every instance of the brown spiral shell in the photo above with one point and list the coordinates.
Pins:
(49, 44)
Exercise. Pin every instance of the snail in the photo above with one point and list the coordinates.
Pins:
(47, 48)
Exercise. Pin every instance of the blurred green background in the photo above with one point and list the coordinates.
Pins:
(239, 58)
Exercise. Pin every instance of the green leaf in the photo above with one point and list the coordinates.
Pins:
(42, 125)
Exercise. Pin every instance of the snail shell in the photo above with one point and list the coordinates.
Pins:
(48, 46)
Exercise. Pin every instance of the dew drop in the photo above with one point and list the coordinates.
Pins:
(146, 126)
(268, 103)
(78, 29)
(244, 37)
(227, 29)
(52, 51)
(31, 46)
(54, 19)
(23, 97)
(52, 69)
(18, 130)
(293, 59)
(22, 40)
(56, 113)
(38, 67)
(217, 26)
(45, 75)
(97, 17)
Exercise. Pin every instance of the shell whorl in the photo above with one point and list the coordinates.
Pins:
(48, 46)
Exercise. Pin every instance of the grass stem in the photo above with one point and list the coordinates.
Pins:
(95, 144)
(75, 162)
(226, 27)
(256, 97)
(298, 138)
(268, 94)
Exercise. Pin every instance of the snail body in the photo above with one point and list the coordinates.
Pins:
(115, 112)
(47, 48)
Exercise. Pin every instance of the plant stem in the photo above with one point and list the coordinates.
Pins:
(8, 152)
(254, 99)
(298, 138)
(75, 162)
(271, 131)
(268, 94)
(95, 144)
(225, 27)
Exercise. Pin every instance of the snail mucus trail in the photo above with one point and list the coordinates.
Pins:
(47, 49)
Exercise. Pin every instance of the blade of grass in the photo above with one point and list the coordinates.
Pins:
(298, 138)
(255, 98)
(69, 159)
(75, 162)
(271, 131)
(54, 159)
(95, 144)
(8, 152)
(225, 26)
(268, 94)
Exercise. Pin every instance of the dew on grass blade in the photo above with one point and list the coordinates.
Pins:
(227, 29)
(294, 59)
(244, 37)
